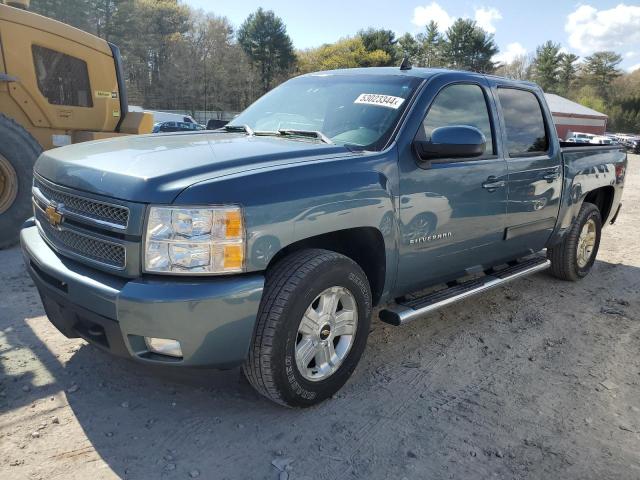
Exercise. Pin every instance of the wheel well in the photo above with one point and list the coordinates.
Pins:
(603, 199)
(363, 245)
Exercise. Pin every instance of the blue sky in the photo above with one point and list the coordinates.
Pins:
(518, 26)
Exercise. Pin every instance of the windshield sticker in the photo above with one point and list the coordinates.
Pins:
(381, 100)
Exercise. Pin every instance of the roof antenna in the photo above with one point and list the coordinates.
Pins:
(406, 63)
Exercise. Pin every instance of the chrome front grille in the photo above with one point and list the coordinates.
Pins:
(82, 245)
(81, 206)
(86, 229)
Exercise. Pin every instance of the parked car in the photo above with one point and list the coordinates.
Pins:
(159, 117)
(164, 127)
(268, 243)
(626, 139)
(601, 140)
(578, 137)
(634, 145)
(214, 123)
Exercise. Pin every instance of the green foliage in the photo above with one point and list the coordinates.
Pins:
(624, 109)
(379, 39)
(468, 47)
(179, 58)
(408, 47)
(431, 47)
(546, 66)
(72, 12)
(567, 73)
(600, 70)
(588, 97)
(345, 53)
(263, 37)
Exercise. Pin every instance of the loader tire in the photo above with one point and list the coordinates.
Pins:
(18, 154)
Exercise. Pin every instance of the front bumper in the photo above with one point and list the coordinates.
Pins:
(212, 318)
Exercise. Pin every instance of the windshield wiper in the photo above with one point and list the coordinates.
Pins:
(306, 133)
(238, 128)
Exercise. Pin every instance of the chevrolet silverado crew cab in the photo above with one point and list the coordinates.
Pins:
(267, 243)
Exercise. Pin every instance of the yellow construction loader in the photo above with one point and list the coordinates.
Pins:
(58, 85)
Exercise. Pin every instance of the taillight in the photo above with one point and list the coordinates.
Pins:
(619, 171)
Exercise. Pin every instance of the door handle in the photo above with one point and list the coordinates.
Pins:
(492, 183)
(551, 175)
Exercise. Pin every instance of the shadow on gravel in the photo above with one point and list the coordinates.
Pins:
(148, 422)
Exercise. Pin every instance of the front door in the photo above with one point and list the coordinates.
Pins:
(452, 213)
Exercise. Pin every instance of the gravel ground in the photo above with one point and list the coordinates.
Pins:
(539, 379)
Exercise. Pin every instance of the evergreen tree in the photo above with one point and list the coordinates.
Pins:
(431, 43)
(546, 66)
(567, 73)
(469, 47)
(263, 37)
(380, 39)
(600, 69)
(408, 47)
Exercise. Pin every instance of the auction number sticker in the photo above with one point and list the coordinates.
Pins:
(382, 100)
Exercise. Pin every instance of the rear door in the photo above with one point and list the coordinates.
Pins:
(452, 212)
(534, 163)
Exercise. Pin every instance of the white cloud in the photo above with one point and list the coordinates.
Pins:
(423, 15)
(630, 54)
(485, 17)
(591, 29)
(508, 55)
(633, 68)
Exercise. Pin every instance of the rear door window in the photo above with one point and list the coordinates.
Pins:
(62, 79)
(524, 122)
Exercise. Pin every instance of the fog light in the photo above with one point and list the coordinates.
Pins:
(164, 346)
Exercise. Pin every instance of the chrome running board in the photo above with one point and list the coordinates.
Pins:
(404, 312)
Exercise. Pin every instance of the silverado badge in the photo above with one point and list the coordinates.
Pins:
(53, 215)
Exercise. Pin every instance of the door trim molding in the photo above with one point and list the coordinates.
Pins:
(529, 227)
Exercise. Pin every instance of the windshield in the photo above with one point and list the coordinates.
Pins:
(356, 110)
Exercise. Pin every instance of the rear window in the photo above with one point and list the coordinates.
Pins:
(524, 122)
(62, 79)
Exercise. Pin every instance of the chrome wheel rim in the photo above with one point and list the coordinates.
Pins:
(586, 243)
(326, 333)
(8, 184)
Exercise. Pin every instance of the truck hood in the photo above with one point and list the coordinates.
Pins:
(156, 168)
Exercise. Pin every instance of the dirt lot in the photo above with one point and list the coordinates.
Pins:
(540, 379)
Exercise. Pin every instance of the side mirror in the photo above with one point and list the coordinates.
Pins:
(456, 141)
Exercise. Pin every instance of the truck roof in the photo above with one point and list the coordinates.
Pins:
(418, 72)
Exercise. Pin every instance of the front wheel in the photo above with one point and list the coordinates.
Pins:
(573, 258)
(312, 328)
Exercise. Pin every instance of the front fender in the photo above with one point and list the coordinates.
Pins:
(286, 204)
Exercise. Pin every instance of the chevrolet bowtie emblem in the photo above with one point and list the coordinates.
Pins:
(53, 215)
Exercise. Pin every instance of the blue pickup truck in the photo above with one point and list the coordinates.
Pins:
(268, 243)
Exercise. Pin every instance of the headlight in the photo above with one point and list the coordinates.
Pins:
(194, 240)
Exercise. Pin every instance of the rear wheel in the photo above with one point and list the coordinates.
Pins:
(18, 153)
(312, 328)
(573, 258)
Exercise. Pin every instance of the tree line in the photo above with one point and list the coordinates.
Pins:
(594, 81)
(180, 58)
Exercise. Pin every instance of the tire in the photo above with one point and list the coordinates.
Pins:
(18, 154)
(294, 285)
(566, 261)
